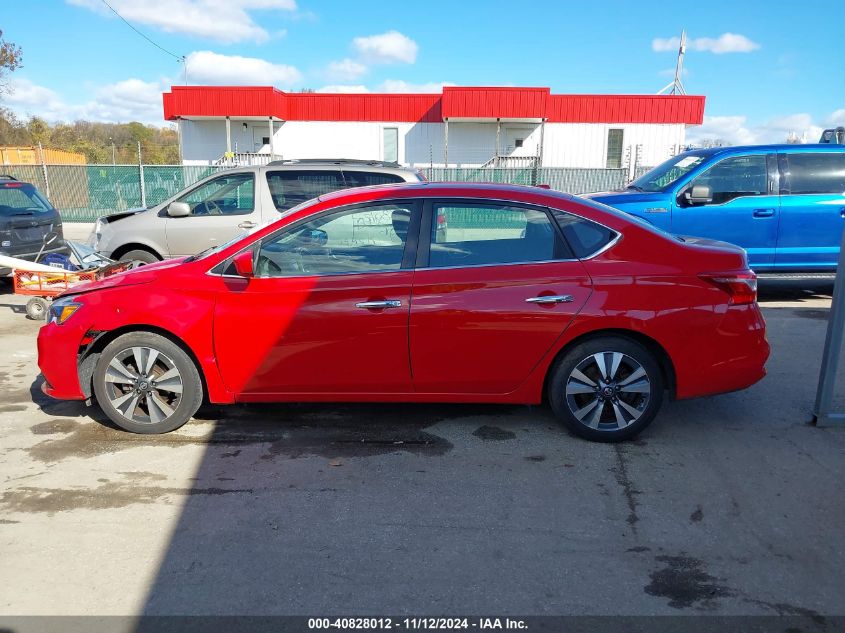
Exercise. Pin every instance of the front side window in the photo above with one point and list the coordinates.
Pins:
(816, 173)
(233, 194)
(735, 177)
(485, 234)
(292, 187)
(359, 240)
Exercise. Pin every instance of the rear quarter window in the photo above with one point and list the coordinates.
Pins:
(584, 237)
(816, 173)
(367, 178)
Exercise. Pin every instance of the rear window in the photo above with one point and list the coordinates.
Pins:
(21, 199)
(816, 173)
(290, 188)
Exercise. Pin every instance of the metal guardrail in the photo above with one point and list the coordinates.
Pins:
(823, 414)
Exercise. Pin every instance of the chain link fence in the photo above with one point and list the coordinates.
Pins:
(83, 193)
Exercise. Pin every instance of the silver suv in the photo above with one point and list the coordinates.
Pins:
(218, 208)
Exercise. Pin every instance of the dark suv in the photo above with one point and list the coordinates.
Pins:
(25, 218)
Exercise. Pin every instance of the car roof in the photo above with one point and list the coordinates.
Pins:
(780, 147)
(491, 190)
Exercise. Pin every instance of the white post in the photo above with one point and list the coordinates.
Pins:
(44, 170)
(141, 177)
(498, 133)
(446, 143)
(271, 138)
(228, 136)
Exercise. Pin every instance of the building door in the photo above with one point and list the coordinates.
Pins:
(261, 139)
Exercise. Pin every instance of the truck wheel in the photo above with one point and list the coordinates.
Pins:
(145, 383)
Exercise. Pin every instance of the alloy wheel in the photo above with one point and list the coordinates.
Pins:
(608, 391)
(143, 385)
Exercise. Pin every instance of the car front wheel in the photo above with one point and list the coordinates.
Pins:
(139, 257)
(606, 389)
(145, 383)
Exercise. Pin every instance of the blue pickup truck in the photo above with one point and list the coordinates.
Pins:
(784, 204)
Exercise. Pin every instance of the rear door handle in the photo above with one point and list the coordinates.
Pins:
(248, 224)
(379, 305)
(551, 299)
(763, 213)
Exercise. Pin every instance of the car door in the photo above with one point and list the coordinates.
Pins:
(221, 208)
(495, 287)
(327, 312)
(744, 208)
(812, 210)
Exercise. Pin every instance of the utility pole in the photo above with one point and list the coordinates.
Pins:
(676, 87)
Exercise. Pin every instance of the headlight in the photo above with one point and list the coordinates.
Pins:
(62, 309)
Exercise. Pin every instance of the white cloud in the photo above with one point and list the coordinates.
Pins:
(725, 43)
(226, 21)
(387, 48)
(397, 85)
(346, 70)
(338, 88)
(206, 67)
(735, 130)
(836, 118)
(127, 100)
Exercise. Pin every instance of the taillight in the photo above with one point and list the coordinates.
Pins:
(740, 286)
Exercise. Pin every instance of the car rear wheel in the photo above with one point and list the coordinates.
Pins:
(146, 383)
(606, 389)
(139, 257)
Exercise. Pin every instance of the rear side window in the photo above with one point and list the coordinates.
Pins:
(485, 234)
(816, 173)
(367, 178)
(585, 238)
(21, 199)
(292, 187)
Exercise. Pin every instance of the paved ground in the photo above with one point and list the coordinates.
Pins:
(726, 505)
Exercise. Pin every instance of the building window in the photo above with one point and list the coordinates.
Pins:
(391, 144)
(614, 149)
(265, 140)
(518, 142)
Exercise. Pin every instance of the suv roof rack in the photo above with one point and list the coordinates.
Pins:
(333, 161)
(7, 177)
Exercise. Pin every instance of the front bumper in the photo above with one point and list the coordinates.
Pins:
(58, 353)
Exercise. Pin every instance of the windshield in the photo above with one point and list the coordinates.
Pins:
(21, 199)
(666, 174)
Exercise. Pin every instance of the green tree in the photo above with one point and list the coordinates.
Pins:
(11, 58)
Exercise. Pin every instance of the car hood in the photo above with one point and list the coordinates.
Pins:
(123, 214)
(625, 197)
(134, 277)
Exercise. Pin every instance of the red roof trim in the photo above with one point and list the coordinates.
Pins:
(454, 102)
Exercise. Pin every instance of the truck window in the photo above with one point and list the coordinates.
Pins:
(816, 173)
(735, 177)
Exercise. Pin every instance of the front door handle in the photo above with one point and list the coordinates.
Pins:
(248, 224)
(551, 299)
(763, 213)
(379, 305)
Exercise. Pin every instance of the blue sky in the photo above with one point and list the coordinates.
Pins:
(767, 68)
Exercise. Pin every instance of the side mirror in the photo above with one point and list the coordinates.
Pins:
(243, 264)
(178, 209)
(699, 194)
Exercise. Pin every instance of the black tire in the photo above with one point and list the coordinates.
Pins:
(147, 416)
(37, 308)
(140, 257)
(622, 397)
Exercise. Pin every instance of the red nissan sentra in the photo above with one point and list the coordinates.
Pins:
(425, 292)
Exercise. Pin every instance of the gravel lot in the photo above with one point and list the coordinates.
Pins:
(725, 505)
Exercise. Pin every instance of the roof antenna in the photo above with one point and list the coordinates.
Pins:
(676, 87)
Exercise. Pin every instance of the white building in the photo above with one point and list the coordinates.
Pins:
(461, 127)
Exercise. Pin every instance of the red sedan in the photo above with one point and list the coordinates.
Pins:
(426, 293)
